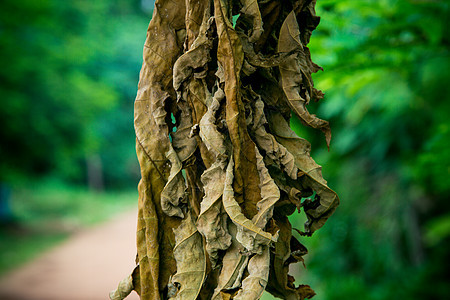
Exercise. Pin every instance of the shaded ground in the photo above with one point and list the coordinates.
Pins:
(86, 267)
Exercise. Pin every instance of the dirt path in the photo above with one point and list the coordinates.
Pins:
(86, 267)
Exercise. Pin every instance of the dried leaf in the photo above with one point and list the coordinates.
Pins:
(196, 58)
(259, 59)
(212, 221)
(123, 290)
(296, 75)
(126, 286)
(174, 191)
(280, 283)
(259, 264)
(255, 283)
(229, 204)
(191, 260)
(270, 194)
(184, 144)
(248, 234)
(233, 267)
(230, 56)
(196, 97)
(250, 10)
(155, 92)
(213, 139)
(270, 13)
(326, 200)
(195, 13)
(267, 142)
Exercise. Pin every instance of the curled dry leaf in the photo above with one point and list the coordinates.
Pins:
(221, 169)
(196, 58)
(191, 260)
(155, 93)
(127, 285)
(326, 199)
(230, 56)
(296, 75)
(123, 290)
(174, 191)
(183, 142)
(267, 142)
(233, 266)
(248, 234)
(212, 221)
(255, 283)
(280, 283)
(250, 10)
(270, 194)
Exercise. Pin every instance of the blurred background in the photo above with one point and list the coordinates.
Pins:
(68, 79)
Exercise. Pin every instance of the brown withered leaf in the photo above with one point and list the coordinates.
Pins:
(212, 221)
(258, 265)
(191, 260)
(270, 195)
(196, 58)
(267, 142)
(270, 13)
(154, 231)
(230, 56)
(124, 288)
(255, 283)
(326, 200)
(196, 96)
(233, 267)
(280, 283)
(195, 14)
(220, 174)
(296, 75)
(252, 237)
(211, 137)
(173, 193)
(259, 59)
(250, 11)
(127, 285)
(277, 284)
(184, 144)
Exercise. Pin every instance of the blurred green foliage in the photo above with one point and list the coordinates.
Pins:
(68, 80)
(69, 77)
(386, 82)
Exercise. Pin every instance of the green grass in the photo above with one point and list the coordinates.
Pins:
(47, 214)
(18, 249)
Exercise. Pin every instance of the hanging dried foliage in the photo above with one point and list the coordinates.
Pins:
(221, 168)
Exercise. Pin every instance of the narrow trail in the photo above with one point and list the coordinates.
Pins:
(86, 267)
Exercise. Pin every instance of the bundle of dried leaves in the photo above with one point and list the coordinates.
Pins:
(221, 168)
